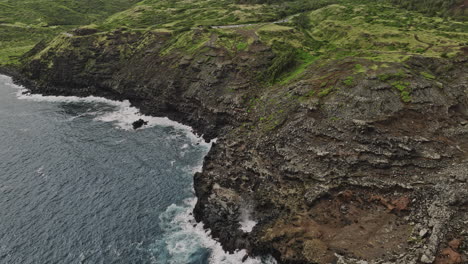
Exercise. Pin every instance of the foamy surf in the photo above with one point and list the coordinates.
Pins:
(123, 115)
(246, 222)
(184, 239)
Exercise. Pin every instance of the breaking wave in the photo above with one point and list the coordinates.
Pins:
(123, 115)
(184, 241)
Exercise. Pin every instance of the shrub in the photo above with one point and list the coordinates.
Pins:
(325, 92)
(280, 64)
(349, 81)
(428, 76)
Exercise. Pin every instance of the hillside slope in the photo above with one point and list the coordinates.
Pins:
(23, 23)
(457, 8)
(342, 130)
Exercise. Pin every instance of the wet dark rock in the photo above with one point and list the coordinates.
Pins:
(339, 177)
(139, 123)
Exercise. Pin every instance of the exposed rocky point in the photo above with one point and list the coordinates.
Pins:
(139, 123)
(356, 174)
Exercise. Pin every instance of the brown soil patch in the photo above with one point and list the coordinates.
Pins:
(464, 50)
(408, 123)
(359, 224)
(450, 254)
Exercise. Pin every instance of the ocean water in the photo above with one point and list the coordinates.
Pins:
(78, 185)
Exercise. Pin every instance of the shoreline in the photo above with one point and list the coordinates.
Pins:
(316, 169)
(189, 203)
(29, 85)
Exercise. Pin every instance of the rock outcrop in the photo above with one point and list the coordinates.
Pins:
(139, 123)
(336, 167)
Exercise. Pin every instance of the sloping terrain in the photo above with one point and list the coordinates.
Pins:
(342, 130)
(445, 8)
(23, 23)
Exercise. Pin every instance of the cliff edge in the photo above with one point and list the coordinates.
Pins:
(324, 153)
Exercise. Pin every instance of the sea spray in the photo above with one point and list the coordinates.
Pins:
(123, 115)
(183, 240)
(186, 241)
(246, 222)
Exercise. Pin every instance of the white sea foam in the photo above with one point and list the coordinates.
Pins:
(184, 237)
(123, 116)
(40, 171)
(186, 241)
(246, 221)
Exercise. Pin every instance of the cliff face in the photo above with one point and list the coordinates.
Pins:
(206, 89)
(357, 172)
(348, 163)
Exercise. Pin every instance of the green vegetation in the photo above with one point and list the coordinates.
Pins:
(281, 64)
(308, 95)
(310, 30)
(271, 121)
(325, 92)
(289, 7)
(59, 12)
(303, 59)
(349, 81)
(397, 81)
(354, 38)
(386, 76)
(370, 30)
(302, 21)
(442, 8)
(242, 46)
(16, 41)
(23, 23)
(230, 40)
(358, 68)
(183, 15)
(428, 76)
(189, 41)
(404, 89)
(383, 33)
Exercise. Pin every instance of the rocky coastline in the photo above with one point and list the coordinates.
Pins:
(356, 174)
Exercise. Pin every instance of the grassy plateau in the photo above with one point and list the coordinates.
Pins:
(381, 31)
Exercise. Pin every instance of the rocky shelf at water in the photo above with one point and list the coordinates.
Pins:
(358, 174)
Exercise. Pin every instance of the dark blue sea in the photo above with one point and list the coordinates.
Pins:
(79, 185)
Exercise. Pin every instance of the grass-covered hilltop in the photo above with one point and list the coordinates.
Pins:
(341, 125)
(343, 24)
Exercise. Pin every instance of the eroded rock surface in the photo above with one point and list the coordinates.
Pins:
(354, 175)
(331, 170)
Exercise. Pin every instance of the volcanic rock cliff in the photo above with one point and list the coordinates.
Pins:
(343, 165)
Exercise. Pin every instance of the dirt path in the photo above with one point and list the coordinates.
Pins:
(430, 45)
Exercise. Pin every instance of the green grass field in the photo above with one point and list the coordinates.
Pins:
(23, 23)
(331, 29)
